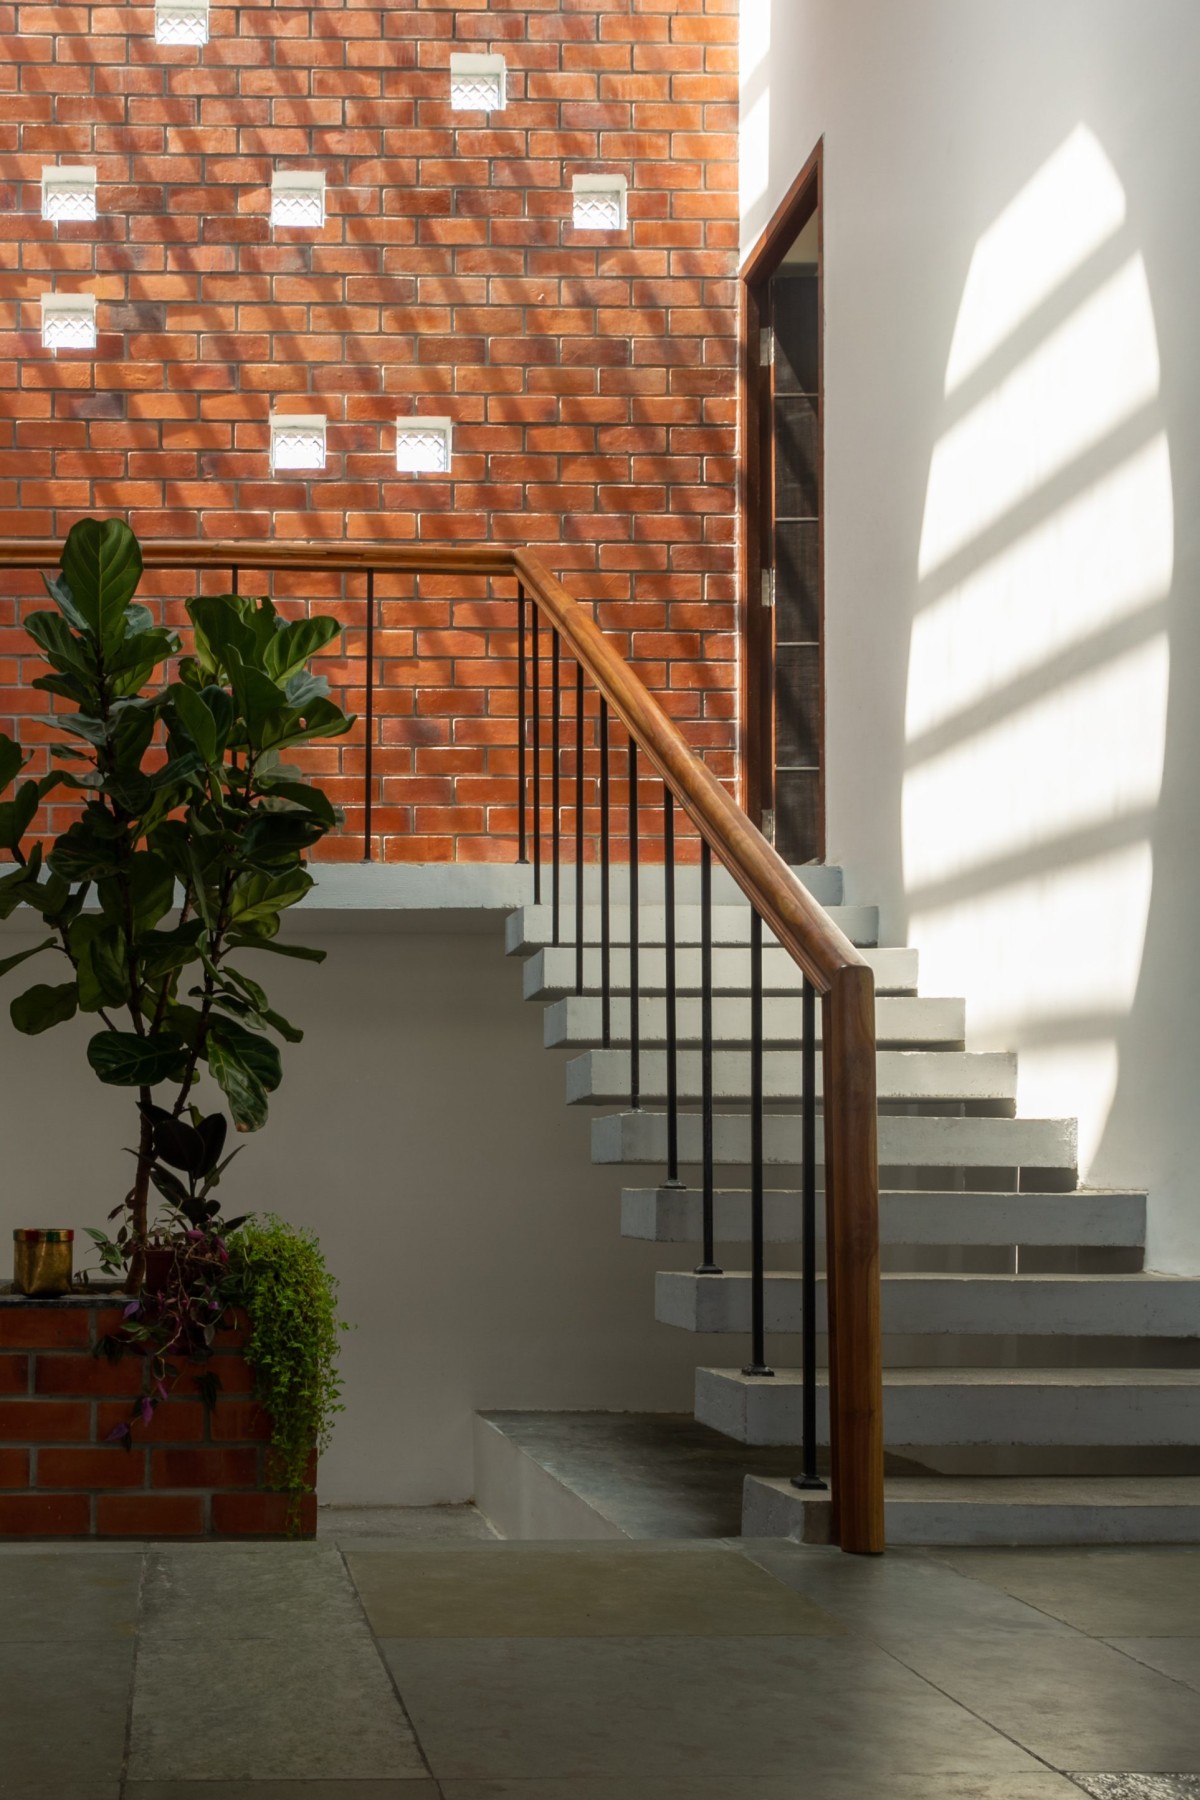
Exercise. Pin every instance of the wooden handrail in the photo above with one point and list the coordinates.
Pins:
(832, 964)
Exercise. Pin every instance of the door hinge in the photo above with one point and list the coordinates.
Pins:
(768, 824)
(768, 587)
(766, 347)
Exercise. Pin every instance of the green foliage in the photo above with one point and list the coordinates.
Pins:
(278, 1274)
(192, 834)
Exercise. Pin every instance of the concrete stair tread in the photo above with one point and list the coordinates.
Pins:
(902, 1021)
(975, 1378)
(1134, 1305)
(531, 928)
(1084, 1216)
(601, 1077)
(994, 1510)
(905, 1142)
(549, 974)
(928, 1409)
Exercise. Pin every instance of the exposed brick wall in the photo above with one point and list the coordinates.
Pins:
(189, 1474)
(591, 378)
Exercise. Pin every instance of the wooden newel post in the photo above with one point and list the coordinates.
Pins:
(852, 1239)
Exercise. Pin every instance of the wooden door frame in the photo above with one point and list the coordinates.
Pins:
(756, 467)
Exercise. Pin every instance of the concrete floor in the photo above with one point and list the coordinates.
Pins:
(413, 1655)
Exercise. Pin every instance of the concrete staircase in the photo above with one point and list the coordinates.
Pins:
(1041, 1385)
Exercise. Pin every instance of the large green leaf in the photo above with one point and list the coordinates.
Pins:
(123, 1059)
(311, 799)
(16, 814)
(146, 886)
(258, 898)
(274, 840)
(20, 885)
(163, 952)
(12, 760)
(301, 952)
(317, 718)
(257, 1055)
(103, 969)
(263, 707)
(102, 565)
(245, 1093)
(293, 647)
(196, 720)
(90, 847)
(11, 962)
(38, 1008)
(220, 631)
(62, 597)
(66, 650)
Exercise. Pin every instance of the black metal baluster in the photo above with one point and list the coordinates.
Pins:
(369, 711)
(605, 944)
(707, 1264)
(522, 852)
(536, 702)
(758, 1363)
(233, 590)
(808, 1230)
(579, 723)
(671, 996)
(635, 932)
(555, 869)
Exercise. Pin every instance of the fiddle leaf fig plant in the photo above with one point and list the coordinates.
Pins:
(188, 847)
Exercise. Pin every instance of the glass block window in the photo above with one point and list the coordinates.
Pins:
(297, 441)
(599, 202)
(298, 198)
(423, 446)
(69, 321)
(181, 22)
(477, 83)
(69, 193)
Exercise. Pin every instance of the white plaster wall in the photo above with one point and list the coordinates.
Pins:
(935, 114)
(421, 1130)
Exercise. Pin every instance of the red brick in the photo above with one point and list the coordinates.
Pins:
(14, 1374)
(149, 1515)
(14, 1468)
(44, 1515)
(30, 1326)
(448, 276)
(88, 1375)
(223, 1467)
(44, 1421)
(238, 1422)
(176, 1421)
(100, 1467)
(260, 1515)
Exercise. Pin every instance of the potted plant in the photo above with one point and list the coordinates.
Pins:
(188, 846)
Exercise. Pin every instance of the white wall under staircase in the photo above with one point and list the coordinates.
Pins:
(421, 1131)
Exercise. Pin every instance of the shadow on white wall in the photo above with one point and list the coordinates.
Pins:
(1037, 686)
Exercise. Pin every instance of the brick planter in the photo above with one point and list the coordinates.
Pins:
(188, 1474)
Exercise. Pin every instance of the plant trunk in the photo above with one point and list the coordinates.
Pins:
(139, 1199)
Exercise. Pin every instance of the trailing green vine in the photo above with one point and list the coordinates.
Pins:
(278, 1275)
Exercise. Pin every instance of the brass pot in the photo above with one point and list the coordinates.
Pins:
(42, 1262)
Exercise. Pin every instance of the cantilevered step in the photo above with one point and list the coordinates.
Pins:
(902, 1022)
(824, 882)
(941, 1407)
(1109, 1306)
(925, 1142)
(532, 927)
(978, 1510)
(1092, 1218)
(549, 974)
(602, 1077)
